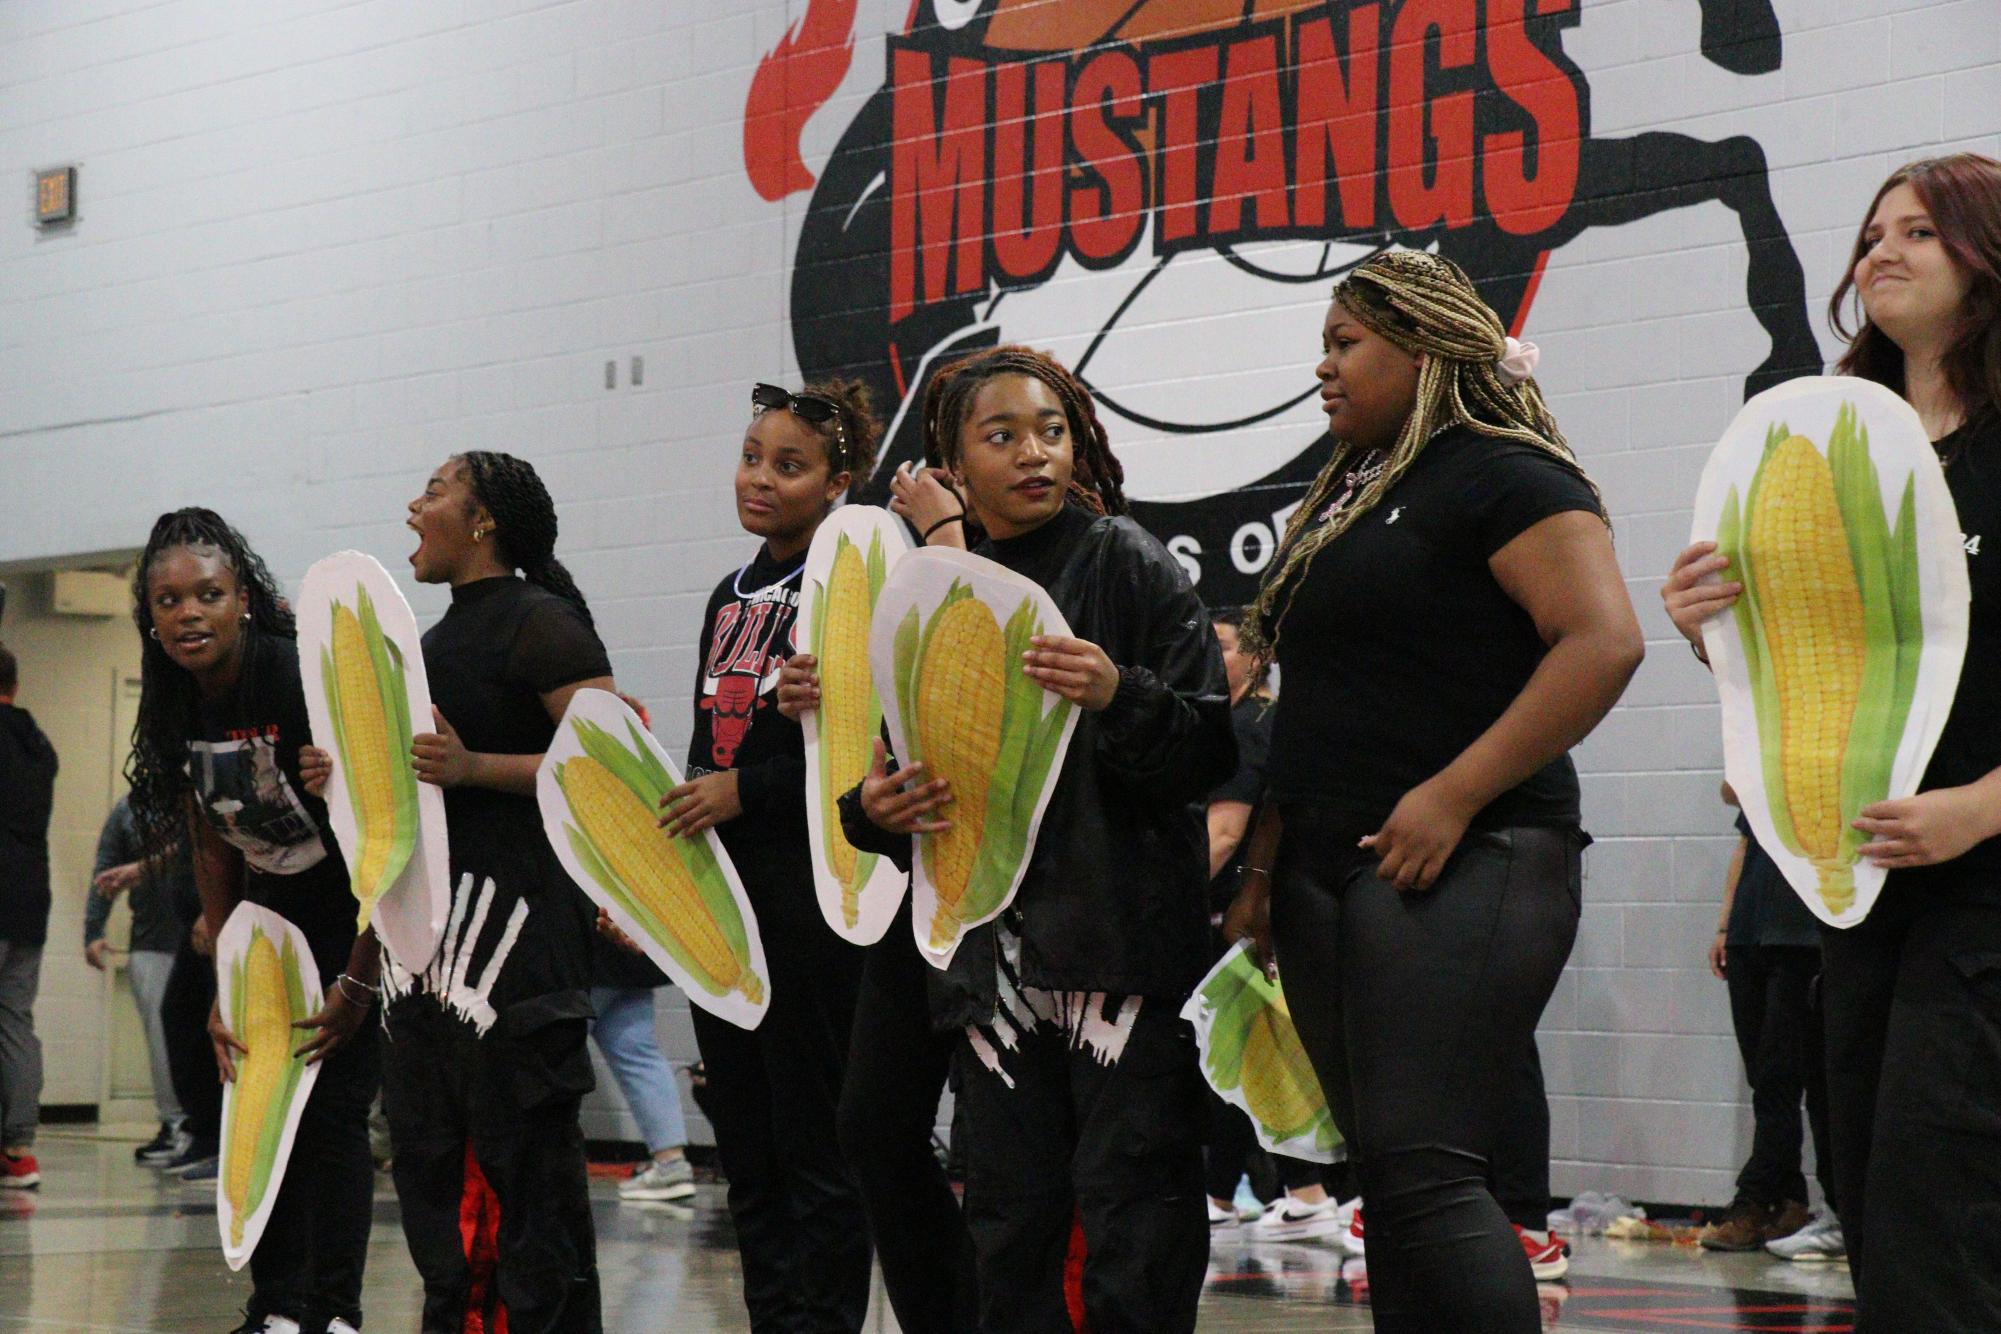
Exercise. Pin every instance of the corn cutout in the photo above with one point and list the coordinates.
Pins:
(268, 997)
(363, 674)
(850, 712)
(672, 887)
(1252, 1056)
(1832, 632)
(975, 719)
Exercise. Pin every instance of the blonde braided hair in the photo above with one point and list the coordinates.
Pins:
(1425, 304)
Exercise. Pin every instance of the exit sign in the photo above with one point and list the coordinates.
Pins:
(55, 196)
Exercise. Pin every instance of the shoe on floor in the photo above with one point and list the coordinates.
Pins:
(339, 1326)
(1787, 1219)
(659, 1181)
(1817, 1243)
(1743, 1227)
(270, 1324)
(1287, 1219)
(164, 1147)
(201, 1175)
(197, 1151)
(1352, 1239)
(19, 1171)
(1549, 1258)
(1220, 1218)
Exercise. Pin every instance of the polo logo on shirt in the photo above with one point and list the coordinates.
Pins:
(1395, 514)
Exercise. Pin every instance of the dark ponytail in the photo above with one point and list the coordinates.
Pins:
(169, 701)
(524, 520)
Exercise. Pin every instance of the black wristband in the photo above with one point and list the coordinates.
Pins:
(950, 518)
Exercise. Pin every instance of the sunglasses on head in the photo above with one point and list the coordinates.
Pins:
(809, 408)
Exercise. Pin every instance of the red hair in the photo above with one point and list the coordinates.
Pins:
(1962, 193)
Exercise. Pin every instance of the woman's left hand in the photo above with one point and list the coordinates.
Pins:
(440, 757)
(1924, 830)
(316, 769)
(1076, 669)
(338, 1020)
(701, 803)
(1418, 839)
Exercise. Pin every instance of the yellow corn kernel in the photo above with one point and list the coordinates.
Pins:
(267, 1032)
(365, 731)
(636, 850)
(847, 687)
(960, 696)
(1812, 612)
(1279, 1082)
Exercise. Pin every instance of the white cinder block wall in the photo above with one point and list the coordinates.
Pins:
(324, 244)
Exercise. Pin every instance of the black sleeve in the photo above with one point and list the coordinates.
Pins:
(865, 835)
(1253, 730)
(766, 785)
(117, 843)
(555, 647)
(1516, 487)
(1167, 728)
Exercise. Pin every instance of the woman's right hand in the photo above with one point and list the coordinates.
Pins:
(1249, 918)
(901, 801)
(315, 769)
(1692, 597)
(927, 498)
(799, 686)
(225, 1043)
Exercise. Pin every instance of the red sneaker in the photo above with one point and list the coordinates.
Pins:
(1352, 1239)
(1548, 1258)
(19, 1171)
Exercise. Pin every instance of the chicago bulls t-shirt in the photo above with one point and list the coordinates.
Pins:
(746, 638)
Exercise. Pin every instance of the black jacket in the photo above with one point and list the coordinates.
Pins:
(27, 795)
(1113, 899)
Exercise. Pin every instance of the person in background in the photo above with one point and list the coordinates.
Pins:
(27, 796)
(157, 931)
(184, 1007)
(1912, 993)
(1767, 950)
(1302, 1210)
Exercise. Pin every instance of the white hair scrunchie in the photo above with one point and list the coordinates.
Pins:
(1518, 362)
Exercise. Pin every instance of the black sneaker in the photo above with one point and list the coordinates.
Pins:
(197, 1150)
(163, 1147)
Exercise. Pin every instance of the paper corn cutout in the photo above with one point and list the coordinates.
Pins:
(366, 696)
(850, 559)
(1838, 664)
(679, 899)
(268, 983)
(1251, 1055)
(949, 633)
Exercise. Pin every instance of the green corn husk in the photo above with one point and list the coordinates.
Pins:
(641, 771)
(1235, 996)
(1884, 563)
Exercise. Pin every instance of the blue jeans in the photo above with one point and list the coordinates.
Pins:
(625, 1035)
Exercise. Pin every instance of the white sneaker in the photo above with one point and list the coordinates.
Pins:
(1287, 1219)
(1219, 1218)
(280, 1324)
(1352, 1237)
(660, 1181)
(1819, 1242)
(339, 1326)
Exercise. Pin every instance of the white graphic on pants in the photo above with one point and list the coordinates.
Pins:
(1091, 1020)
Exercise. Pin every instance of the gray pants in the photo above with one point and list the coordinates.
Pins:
(147, 971)
(20, 1049)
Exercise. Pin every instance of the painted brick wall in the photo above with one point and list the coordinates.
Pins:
(323, 244)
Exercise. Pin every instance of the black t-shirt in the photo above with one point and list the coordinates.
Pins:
(1970, 745)
(245, 767)
(1250, 719)
(1400, 648)
(1766, 910)
(501, 646)
(747, 634)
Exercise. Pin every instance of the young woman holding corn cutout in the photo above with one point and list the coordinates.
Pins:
(486, 1064)
(772, 1091)
(1077, 1077)
(216, 760)
(1912, 994)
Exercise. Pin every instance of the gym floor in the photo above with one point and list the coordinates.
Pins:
(105, 1245)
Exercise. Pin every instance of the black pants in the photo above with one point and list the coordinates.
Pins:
(308, 1264)
(1779, 1036)
(1233, 1149)
(513, 1096)
(1913, 1002)
(772, 1096)
(190, 1055)
(1518, 1162)
(1412, 1007)
(897, 1067)
(1058, 1134)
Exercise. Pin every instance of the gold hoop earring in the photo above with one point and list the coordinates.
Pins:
(479, 534)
